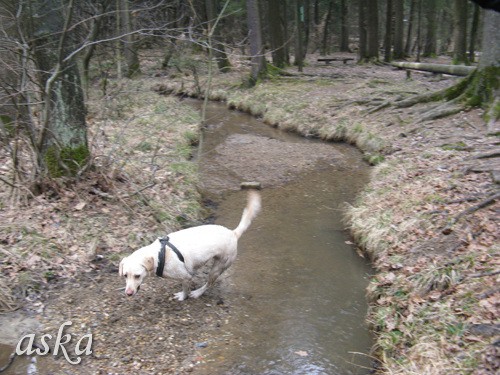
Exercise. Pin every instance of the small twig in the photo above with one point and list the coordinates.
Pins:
(483, 274)
(489, 293)
(101, 193)
(466, 199)
(138, 191)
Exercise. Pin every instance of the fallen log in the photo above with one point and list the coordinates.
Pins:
(456, 70)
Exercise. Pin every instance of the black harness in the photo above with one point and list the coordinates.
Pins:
(161, 258)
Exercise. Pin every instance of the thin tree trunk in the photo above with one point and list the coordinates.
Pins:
(460, 32)
(316, 13)
(473, 33)
(276, 33)
(324, 45)
(411, 19)
(284, 20)
(344, 26)
(129, 45)
(372, 25)
(430, 38)
(388, 32)
(299, 40)
(418, 42)
(306, 26)
(398, 31)
(218, 49)
(362, 30)
(255, 36)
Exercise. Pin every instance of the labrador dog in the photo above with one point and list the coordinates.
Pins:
(187, 250)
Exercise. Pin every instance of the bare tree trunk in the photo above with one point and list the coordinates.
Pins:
(276, 33)
(324, 45)
(418, 43)
(430, 37)
(372, 25)
(344, 26)
(398, 52)
(460, 32)
(491, 35)
(284, 20)
(388, 32)
(411, 19)
(316, 13)
(218, 48)
(363, 37)
(446, 30)
(306, 26)
(89, 51)
(255, 36)
(299, 40)
(473, 32)
(132, 65)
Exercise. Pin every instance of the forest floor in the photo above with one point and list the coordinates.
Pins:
(426, 219)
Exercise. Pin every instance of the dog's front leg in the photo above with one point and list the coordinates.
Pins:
(186, 285)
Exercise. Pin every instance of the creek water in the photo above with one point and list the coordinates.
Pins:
(297, 290)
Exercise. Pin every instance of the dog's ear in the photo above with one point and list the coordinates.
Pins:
(120, 270)
(149, 264)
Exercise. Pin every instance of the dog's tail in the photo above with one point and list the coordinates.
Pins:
(249, 213)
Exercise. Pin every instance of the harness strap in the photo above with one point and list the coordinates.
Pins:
(161, 258)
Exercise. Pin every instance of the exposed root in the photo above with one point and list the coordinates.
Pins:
(441, 111)
(478, 89)
(424, 98)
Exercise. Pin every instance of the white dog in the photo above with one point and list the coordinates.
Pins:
(181, 253)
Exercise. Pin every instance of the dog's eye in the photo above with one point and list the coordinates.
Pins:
(137, 277)
(125, 275)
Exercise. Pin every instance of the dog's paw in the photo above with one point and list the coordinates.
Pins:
(196, 293)
(180, 296)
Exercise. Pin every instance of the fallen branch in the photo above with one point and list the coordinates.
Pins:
(488, 201)
(456, 70)
(488, 155)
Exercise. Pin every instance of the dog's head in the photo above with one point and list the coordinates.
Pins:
(135, 269)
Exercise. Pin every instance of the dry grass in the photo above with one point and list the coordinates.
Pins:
(142, 184)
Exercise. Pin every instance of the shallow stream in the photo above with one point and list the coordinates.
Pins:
(297, 289)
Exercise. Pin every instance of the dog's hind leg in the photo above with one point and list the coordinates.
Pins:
(181, 296)
(218, 267)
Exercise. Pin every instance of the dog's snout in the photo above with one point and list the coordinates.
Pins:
(129, 292)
